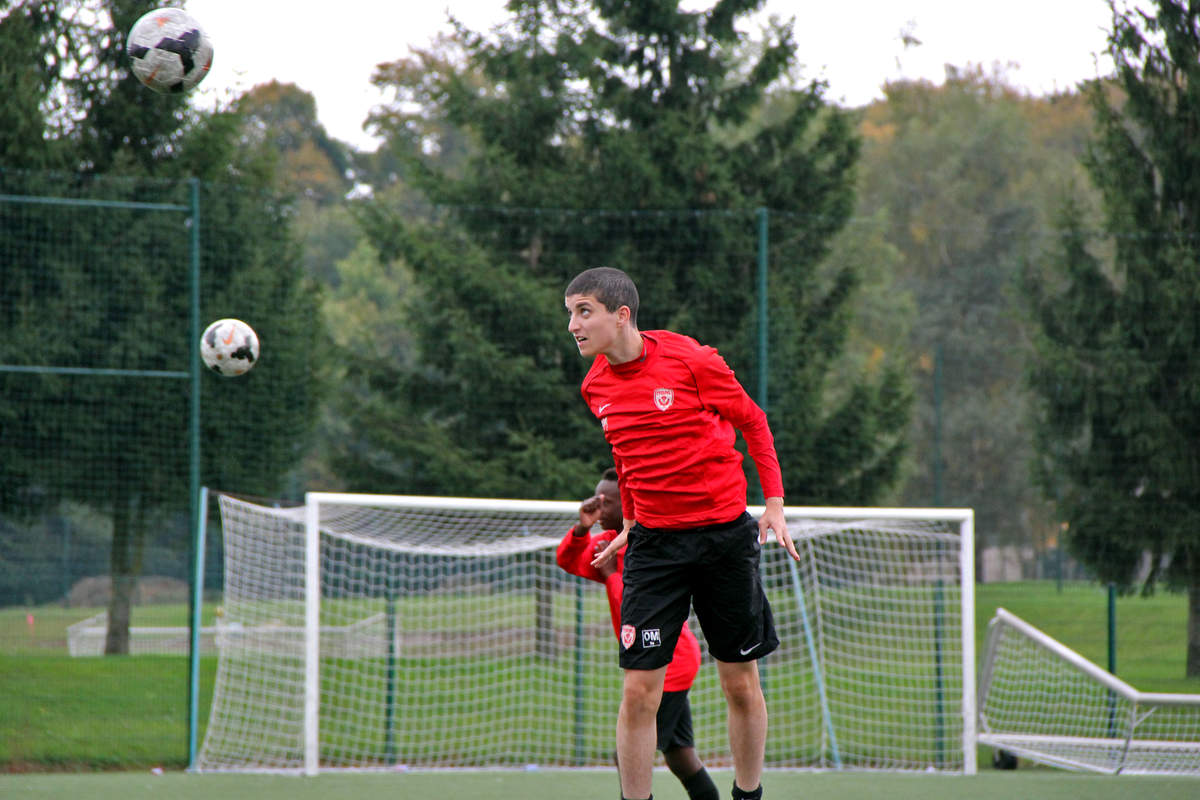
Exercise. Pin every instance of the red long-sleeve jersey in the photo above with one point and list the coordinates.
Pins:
(672, 418)
(575, 556)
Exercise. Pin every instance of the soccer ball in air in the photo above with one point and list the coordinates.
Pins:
(229, 347)
(169, 50)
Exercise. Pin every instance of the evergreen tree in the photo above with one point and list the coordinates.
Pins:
(101, 287)
(1117, 373)
(607, 133)
(35, 43)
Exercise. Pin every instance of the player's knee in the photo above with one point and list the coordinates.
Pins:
(682, 761)
(639, 701)
(741, 689)
(640, 698)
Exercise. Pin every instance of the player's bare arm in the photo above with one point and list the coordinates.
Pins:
(773, 519)
(614, 546)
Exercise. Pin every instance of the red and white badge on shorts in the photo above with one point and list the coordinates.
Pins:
(628, 635)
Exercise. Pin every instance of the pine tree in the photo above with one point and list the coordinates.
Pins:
(631, 135)
(109, 288)
(1117, 370)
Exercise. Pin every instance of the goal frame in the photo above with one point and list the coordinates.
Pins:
(1041, 747)
(965, 518)
(809, 525)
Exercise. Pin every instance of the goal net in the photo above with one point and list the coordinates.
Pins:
(377, 632)
(1043, 701)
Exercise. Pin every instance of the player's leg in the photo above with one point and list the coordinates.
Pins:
(689, 769)
(636, 730)
(654, 607)
(747, 724)
(677, 744)
(738, 625)
(682, 761)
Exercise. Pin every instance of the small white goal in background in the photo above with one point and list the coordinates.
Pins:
(86, 638)
(1041, 700)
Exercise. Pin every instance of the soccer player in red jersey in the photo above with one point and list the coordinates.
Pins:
(671, 409)
(674, 717)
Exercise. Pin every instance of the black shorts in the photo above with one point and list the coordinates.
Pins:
(674, 721)
(714, 570)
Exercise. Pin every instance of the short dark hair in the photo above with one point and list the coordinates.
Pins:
(610, 474)
(612, 287)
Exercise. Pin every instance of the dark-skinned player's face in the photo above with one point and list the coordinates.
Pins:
(610, 510)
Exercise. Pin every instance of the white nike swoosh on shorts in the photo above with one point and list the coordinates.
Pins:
(749, 649)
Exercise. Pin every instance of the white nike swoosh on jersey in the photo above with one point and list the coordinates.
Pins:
(749, 649)
(600, 410)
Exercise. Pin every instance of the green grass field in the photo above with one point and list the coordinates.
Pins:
(68, 715)
(589, 785)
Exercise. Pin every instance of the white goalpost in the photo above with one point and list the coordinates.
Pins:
(392, 632)
(1041, 700)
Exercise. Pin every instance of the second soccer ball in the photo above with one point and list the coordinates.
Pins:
(229, 347)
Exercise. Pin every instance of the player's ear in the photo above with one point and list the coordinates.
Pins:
(623, 314)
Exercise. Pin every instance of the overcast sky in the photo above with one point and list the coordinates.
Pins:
(331, 50)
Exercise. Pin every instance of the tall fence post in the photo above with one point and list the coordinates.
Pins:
(938, 463)
(197, 502)
(1112, 628)
(762, 218)
(199, 541)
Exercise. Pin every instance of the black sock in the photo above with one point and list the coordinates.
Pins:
(740, 794)
(700, 786)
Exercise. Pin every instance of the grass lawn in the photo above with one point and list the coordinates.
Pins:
(589, 785)
(130, 712)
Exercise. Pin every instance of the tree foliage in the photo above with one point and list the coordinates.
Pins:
(29, 127)
(963, 179)
(1116, 373)
(88, 286)
(586, 133)
(281, 119)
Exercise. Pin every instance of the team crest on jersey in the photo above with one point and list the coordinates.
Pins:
(628, 635)
(663, 398)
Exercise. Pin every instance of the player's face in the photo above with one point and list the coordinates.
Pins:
(593, 326)
(610, 510)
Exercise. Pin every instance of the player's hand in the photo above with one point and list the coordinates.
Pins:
(605, 568)
(606, 555)
(773, 519)
(589, 513)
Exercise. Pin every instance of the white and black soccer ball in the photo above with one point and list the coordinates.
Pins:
(169, 50)
(229, 347)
